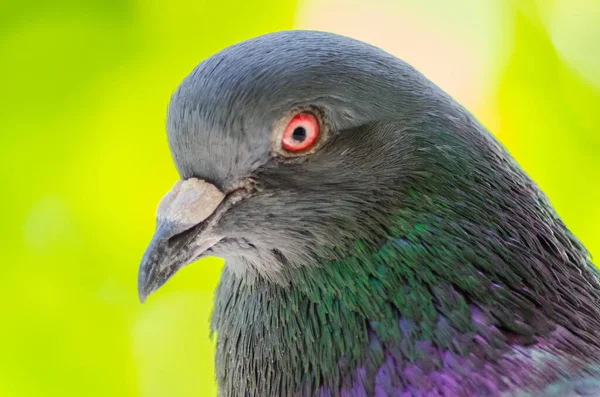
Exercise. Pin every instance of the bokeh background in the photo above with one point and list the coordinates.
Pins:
(84, 160)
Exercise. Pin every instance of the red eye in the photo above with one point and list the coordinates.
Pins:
(301, 132)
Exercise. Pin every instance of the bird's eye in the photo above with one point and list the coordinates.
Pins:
(301, 133)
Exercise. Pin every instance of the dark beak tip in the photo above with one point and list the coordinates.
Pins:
(151, 279)
(144, 284)
(142, 296)
(147, 284)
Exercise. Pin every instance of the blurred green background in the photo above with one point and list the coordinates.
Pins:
(84, 160)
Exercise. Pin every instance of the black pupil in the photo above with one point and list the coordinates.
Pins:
(299, 134)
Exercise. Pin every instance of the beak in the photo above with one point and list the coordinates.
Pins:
(185, 219)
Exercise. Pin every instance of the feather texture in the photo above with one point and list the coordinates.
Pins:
(409, 255)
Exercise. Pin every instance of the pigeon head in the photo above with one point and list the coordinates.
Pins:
(279, 206)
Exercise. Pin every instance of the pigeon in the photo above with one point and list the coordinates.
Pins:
(378, 240)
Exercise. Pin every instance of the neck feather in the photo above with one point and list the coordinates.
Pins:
(434, 299)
